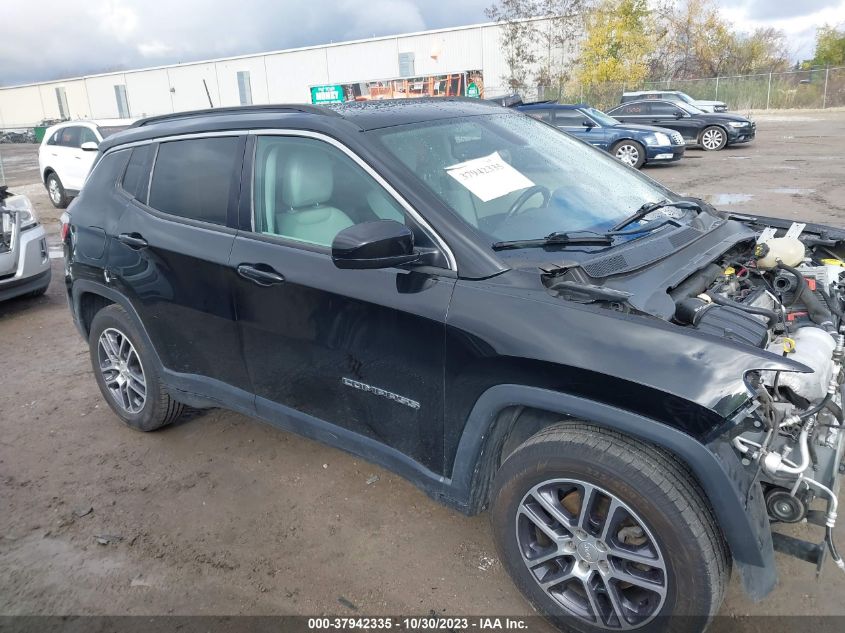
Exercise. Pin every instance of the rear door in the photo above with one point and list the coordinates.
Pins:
(633, 112)
(361, 350)
(170, 254)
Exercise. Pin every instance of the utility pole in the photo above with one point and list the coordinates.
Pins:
(717, 88)
(769, 92)
(824, 94)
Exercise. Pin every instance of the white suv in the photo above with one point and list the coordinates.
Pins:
(675, 95)
(67, 153)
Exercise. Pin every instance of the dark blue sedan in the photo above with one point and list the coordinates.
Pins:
(634, 145)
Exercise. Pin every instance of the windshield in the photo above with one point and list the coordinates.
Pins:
(683, 96)
(601, 118)
(514, 178)
(689, 107)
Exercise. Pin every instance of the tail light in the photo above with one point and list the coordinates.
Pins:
(65, 220)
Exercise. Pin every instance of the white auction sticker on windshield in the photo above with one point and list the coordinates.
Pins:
(488, 177)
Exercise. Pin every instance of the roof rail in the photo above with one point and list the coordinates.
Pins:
(296, 107)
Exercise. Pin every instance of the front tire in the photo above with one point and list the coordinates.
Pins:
(126, 372)
(630, 153)
(713, 138)
(56, 191)
(602, 532)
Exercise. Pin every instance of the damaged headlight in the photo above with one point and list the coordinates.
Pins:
(22, 206)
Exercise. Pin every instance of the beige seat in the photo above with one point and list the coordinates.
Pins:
(307, 182)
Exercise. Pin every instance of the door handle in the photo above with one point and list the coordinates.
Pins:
(264, 276)
(133, 240)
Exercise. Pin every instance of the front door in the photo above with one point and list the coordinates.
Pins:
(362, 350)
(664, 114)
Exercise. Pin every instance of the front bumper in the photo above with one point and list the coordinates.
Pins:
(33, 268)
(664, 153)
(742, 135)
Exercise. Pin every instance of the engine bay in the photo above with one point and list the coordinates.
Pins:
(784, 293)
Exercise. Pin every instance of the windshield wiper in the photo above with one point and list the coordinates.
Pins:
(559, 238)
(648, 207)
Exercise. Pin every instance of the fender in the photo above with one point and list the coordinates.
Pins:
(736, 501)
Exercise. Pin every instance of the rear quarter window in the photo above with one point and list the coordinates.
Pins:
(193, 178)
(136, 179)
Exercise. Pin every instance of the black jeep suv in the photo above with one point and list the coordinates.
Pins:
(633, 383)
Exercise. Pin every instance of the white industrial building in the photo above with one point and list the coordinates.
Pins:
(428, 62)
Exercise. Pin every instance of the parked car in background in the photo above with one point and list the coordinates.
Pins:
(634, 145)
(675, 95)
(709, 130)
(24, 258)
(67, 152)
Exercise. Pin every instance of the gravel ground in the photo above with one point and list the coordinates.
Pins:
(220, 514)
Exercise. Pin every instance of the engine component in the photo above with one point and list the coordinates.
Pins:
(812, 347)
(723, 321)
(788, 250)
(784, 507)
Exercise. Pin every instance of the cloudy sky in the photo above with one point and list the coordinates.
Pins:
(49, 39)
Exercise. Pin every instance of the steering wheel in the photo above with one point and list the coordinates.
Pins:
(524, 197)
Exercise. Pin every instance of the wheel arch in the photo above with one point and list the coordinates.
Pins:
(505, 415)
(718, 125)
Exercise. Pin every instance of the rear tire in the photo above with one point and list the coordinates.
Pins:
(713, 138)
(630, 153)
(126, 372)
(545, 533)
(56, 191)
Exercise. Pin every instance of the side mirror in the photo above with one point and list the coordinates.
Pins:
(377, 244)
(587, 123)
(679, 114)
(89, 146)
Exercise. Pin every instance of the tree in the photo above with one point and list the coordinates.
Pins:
(830, 47)
(618, 42)
(696, 41)
(534, 49)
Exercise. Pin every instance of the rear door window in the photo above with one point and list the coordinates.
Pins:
(541, 115)
(195, 178)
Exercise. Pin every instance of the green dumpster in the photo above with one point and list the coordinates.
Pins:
(39, 132)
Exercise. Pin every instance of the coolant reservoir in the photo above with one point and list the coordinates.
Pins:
(788, 250)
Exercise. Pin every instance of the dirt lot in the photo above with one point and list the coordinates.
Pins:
(223, 515)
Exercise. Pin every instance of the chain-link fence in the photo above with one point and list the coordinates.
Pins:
(818, 88)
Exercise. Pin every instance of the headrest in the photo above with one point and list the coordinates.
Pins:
(307, 178)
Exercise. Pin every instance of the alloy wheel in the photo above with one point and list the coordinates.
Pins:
(591, 554)
(122, 370)
(712, 138)
(628, 154)
(53, 189)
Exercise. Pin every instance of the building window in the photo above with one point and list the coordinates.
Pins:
(406, 64)
(244, 87)
(122, 103)
(61, 97)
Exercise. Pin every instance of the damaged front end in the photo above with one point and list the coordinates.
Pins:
(779, 290)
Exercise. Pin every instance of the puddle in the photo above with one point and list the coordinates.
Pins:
(793, 191)
(738, 157)
(730, 198)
